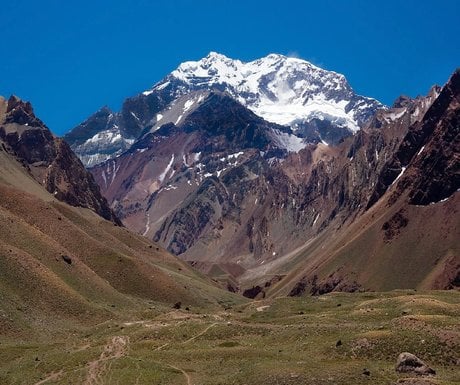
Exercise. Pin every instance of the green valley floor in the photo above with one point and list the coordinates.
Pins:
(332, 339)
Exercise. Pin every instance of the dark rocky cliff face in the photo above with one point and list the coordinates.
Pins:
(426, 162)
(50, 160)
(412, 189)
(229, 126)
(437, 166)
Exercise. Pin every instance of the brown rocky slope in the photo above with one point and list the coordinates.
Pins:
(49, 159)
(65, 266)
(247, 211)
(409, 236)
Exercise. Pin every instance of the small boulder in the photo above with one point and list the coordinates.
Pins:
(66, 259)
(409, 363)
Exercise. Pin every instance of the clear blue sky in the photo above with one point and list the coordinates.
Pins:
(69, 58)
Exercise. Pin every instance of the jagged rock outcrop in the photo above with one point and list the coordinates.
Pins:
(49, 159)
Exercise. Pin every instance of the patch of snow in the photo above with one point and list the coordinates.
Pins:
(96, 138)
(188, 104)
(441, 201)
(161, 86)
(421, 150)
(162, 176)
(218, 172)
(316, 219)
(170, 187)
(236, 155)
(178, 119)
(392, 116)
(232, 156)
(403, 169)
(290, 143)
(196, 157)
(319, 108)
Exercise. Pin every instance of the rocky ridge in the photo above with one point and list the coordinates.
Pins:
(48, 159)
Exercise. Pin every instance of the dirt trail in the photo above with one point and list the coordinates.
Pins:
(200, 334)
(190, 339)
(186, 375)
(117, 347)
(162, 346)
(51, 377)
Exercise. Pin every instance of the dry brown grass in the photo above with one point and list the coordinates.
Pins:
(112, 270)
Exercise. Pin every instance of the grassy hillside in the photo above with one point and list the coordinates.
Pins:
(64, 267)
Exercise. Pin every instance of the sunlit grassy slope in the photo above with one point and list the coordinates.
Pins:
(281, 341)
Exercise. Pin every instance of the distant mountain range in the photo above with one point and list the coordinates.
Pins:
(274, 177)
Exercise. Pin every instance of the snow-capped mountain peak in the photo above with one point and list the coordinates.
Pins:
(318, 105)
(281, 89)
